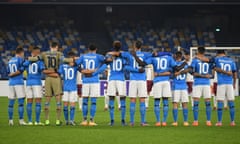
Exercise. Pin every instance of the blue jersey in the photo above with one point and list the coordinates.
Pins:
(160, 65)
(91, 61)
(134, 66)
(117, 69)
(226, 64)
(34, 71)
(69, 74)
(179, 82)
(14, 65)
(202, 68)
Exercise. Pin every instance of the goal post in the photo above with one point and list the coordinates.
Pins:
(233, 52)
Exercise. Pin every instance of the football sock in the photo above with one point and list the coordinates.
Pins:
(118, 101)
(208, 110)
(93, 107)
(29, 112)
(147, 101)
(111, 108)
(175, 114)
(165, 109)
(38, 111)
(85, 108)
(185, 114)
(21, 107)
(219, 111)
(65, 111)
(195, 110)
(59, 110)
(142, 111)
(157, 109)
(231, 110)
(10, 108)
(80, 102)
(72, 113)
(123, 108)
(46, 109)
(132, 111)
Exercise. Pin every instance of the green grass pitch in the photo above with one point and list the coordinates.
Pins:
(117, 134)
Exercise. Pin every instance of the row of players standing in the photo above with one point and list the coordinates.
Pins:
(164, 65)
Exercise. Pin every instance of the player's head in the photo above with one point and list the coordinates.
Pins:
(92, 48)
(201, 50)
(19, 52)
(36, 51)
(71, 54)
(186, 55)
(220, 52)
(138, 44)
(117, 45)
(54, 46)
(178, 55)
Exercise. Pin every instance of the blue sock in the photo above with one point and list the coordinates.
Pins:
(175, 114)
(195, 110)
(143, 111)
(208, 110)
(10, 108)
(29, 112)
(38, 111)
(132, 111)
(93, 107)
(219, 111)
(231, 110)
(123, 108)
(111, 109)
(65, 112)
(72, 113)
(21, 107)
(85, 107)
(157, 109)
(185, 114)
(165, 109)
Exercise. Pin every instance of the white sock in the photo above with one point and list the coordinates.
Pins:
(118, 101)
(147, 101)
(80, 103)
(225, 103)
(214, 101)
(106, 101)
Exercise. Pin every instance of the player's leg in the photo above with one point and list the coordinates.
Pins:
(59, 109)
(29, 104)
(121, 87)
(20, 92)
(166, 94)
(111, 92)
(197, 92)
(66, 100)
(73, 100)
(142, 93)
(79, 90)
(118, 101)
(111, 109)
(176, 100)
(230, 97)
(57, 90)
(132, 95)
(221, 90)
(185, 100)
(207, 97)
(11, 101)
(94, 94)
(225, 102)
(48, 93)
(157, 93)
(37, 90)
(106, 102)
(85, 94)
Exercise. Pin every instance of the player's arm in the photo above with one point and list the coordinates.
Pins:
(217, 69)
(133, 70)
(166, 73)
(234, 79)
(15, 73)
(195, 74)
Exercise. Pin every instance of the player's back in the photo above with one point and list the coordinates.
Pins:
(52, 59)
(226, 64)
(14, 65)
(116, 68)
(202, 68)
(69, 74)
(179, 82)
(34, 71)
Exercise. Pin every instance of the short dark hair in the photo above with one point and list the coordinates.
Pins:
(220, 52)
(19, 50)
(186, 52)
(178, 54)
(117, 45)
(54, 44)
(201, 50)
(71, 54)
(35, 48)
(138, 44)
(92, 47)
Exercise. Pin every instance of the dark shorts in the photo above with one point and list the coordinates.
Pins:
(190, 86)
(79, 89)
(149, 85)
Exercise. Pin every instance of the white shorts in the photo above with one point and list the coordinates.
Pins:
(201, 90)
(115, 86)
(70, 96)
(161, 89)
(91, 90)
(180, 96)
(225, 91)
(16, 91)
(34, 92)
(137, 89)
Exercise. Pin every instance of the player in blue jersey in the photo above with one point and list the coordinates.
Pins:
(69, 74)
(116, 84)
(180, 93)
(90, 62)
(16, 86)
(137, 86)
(202, 73)
(34, 86)
(226, 80)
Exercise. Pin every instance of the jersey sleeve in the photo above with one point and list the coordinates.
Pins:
(41, 66)
(79, 61)
(130, 68)
(149, 60)
(60, 70)
(101, 58)
(20, 66)
(100, 70)
(234, 67)
(172, 62)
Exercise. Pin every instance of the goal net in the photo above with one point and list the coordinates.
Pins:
(233, 52)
